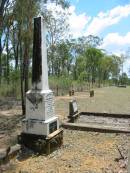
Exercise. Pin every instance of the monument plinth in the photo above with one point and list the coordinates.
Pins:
(40, 118)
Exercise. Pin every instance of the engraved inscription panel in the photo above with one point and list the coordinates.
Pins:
(49, 105)
(53, 126)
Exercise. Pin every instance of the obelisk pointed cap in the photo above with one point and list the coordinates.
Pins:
(39, 63)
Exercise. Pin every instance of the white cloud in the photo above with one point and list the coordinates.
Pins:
(106, 19)
(82, 24)
(113, 39)
(118, 44)
(56, 9)
(77, 22)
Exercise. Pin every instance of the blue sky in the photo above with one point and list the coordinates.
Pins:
(92, 7)
(108, 19)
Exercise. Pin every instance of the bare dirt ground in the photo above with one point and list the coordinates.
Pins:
(85, 152)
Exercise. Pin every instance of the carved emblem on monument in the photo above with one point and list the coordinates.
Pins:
(35, 99)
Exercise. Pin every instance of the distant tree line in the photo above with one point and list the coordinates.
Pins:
(80, 59)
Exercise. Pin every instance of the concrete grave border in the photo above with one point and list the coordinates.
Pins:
(71, 123)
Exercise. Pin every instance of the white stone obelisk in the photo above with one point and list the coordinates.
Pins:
(40, 114)
(40, 68)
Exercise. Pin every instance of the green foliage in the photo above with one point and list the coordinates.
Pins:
(73, 61)
(82, 77)
(15, 76)
(123, 79)
(61, 82)
(10, 90)
(13, 89)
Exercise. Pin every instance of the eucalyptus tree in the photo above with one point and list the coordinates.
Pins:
(123, 79)
(81, 44)
(56, 16)
(24, 11)
(63, 3)
(80, 67)
(63, 58)
(105, 68)
(116, 66)
(93, 56)
(4, 5)
(123, 57)
(93, 41)
(8, 21)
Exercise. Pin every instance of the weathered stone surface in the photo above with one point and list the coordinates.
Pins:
(39, 65)
(40, 105)
(39, 127)
(92, 93)
(73, 108)
(37, 54)
(40, 113)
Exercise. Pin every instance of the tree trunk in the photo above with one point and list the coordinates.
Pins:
(16, 48)
(0, 61)
(7, 58)
(26, 67)
(16, 57)
(22, 81)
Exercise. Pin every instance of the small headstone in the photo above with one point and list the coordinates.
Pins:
(92, 93)
(69, 92)
(72, 92)
(73, 108)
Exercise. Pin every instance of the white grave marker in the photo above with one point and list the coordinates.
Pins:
(40, 114)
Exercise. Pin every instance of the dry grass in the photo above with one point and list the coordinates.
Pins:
(82, 151)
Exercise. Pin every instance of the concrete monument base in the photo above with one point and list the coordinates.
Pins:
(41, 143)
(40, 127)
(40, 114)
